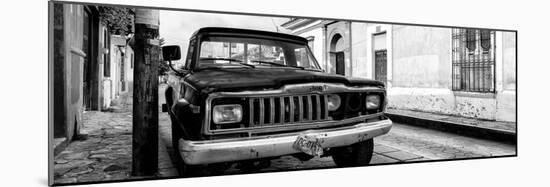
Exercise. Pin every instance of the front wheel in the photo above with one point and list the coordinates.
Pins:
(183, 169)
(358, 154)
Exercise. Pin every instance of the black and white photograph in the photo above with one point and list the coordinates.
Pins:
(142, 93)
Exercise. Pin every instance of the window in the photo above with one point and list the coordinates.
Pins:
(303, 58)
(226, 51)
(190, 53)
(218, 52)
(473, 59)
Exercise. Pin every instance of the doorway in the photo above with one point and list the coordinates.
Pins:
(337, 54)
(87, 48)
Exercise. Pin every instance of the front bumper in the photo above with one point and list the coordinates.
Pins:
(216, 151)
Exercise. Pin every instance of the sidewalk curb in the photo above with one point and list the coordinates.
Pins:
(166, 167)
(457, 128)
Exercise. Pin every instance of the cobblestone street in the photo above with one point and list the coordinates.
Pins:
(403, 144)
(103, 152)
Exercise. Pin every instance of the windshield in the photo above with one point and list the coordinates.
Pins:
(253, 52)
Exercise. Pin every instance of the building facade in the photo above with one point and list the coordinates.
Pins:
(452, 71)
(85, 66)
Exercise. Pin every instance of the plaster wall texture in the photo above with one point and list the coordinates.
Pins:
(509, 60)
(359, 50)
(506, 105)
(422, 76)
(506, 98)
(444, 101)
(419, 67)
(107, 91)
(129, 70)
(427, 51)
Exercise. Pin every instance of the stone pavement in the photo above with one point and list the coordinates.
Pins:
(105, 152)
(438, 145)
(487, 129)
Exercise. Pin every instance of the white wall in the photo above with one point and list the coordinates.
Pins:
(359, 50)
(129, 70)
(316, 31)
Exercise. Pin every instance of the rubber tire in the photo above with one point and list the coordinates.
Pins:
(358, 154)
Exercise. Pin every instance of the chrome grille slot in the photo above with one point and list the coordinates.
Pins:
(286, 110)
(298, 110)
(292, 109)
(324, 106)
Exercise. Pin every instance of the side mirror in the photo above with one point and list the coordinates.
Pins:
(171, 52)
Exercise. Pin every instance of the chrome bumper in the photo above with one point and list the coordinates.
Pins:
(216, 151)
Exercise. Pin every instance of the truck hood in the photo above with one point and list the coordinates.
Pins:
(233, 79)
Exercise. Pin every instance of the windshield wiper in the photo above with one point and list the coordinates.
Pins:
(230, 60)
(276, 64)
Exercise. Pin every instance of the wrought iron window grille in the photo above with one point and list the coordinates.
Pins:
(473, 60)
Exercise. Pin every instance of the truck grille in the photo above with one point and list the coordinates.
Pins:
(267, 111)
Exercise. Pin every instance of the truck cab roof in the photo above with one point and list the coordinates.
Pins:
(227, 31)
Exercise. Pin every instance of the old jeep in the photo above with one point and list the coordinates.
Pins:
(246, 97)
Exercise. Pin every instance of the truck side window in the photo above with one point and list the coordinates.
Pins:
(190, 53)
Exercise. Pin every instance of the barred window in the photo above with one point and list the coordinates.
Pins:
(473, 60)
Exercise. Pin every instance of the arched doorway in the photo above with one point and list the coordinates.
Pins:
(337, 55)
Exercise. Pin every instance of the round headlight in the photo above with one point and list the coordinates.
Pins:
(373, 102)
(334, 102)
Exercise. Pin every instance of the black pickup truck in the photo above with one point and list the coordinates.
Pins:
(246, 97)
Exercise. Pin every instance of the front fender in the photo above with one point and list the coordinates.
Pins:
(188, 118)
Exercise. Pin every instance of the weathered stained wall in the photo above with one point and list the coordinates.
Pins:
(422, 76)
(68, 64)
(59, 104)
(419, 68)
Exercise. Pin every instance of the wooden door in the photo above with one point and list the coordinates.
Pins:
(87, 48)
(340, 63)
(380, 65)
